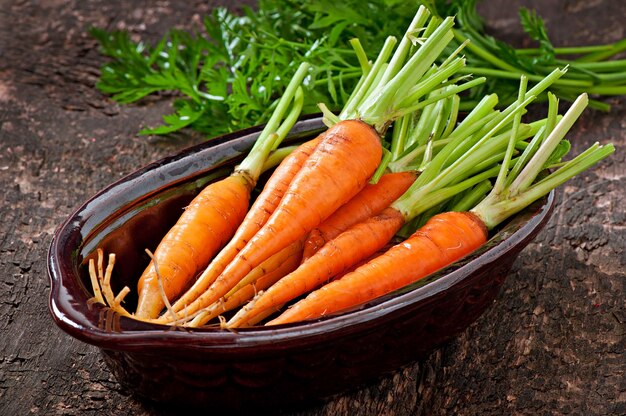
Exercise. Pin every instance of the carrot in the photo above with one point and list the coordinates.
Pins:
(335, 257)
(364, 239)
(350, 247)
(204, 227)
(340, 166)
(269, 275)
(214, 214)
(445, 238)
(358, 264)
(258, 214)
(291, 251)
(450, 236)
(351, 150)
(372, 200)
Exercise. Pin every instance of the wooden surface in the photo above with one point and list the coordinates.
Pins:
(553, 342)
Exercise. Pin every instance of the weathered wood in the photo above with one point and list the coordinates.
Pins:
(553, 342)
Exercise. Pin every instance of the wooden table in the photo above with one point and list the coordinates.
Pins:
(553, 342)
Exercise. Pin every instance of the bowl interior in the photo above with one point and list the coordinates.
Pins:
(134, 213)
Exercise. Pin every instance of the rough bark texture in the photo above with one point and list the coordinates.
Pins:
(553, 342)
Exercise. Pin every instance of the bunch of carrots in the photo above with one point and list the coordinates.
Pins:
(322, 230)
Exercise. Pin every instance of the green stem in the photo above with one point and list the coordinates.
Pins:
(268, 138)
(476, 152)
(377, 108)
(361, 56)
(484, 107)
(458, 171)
(422, 130)
(397, 60)
(449, 91)
(292, 117)
(604, 90)
(493, 212)
(382, 167)
(472, 197)
(454, 114)
(424, 199)
(567, 50)
(496, 73)
(436, 78)
(400, 131)
(276, 157)
(402, 164)
(535, 165)
(474, 120)
(603, 66)
(349, 110)
(496, 207)
(484, 54)
(500, 181)
(617, 47)
(329, 118)
(527, 154)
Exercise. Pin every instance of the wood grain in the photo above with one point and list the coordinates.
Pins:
(553, 343)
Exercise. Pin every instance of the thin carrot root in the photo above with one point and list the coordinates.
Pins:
(100, 277)
(250, 320)
(259, 279)
(101, 284)
(166, 302)
(255, 319)
(335, 257)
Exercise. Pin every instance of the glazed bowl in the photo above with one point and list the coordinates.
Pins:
(258, 367)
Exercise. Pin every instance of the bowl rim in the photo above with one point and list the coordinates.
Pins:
(230, 341)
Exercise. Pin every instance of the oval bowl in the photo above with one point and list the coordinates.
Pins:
(277, 367)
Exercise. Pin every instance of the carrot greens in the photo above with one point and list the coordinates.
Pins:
(229, 73)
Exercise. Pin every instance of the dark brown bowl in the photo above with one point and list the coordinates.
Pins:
(256, 367)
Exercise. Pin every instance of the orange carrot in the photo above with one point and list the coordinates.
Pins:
(445, 238)
(274, 262)
(214, 214)
(258, 214)
(284, 265)
(206, 224)
(336, 171)
(449, 236)
(359, 263)
(372, 200)
(351, 151)
(337, 256)
(353, 245)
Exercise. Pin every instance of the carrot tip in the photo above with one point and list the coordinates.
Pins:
(223, 323)
(161, 287)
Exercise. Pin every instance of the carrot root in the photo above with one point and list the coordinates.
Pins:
(256, 217)
(205, 226)
(260, 279)
(372, 200)
(350, 146)
(337, 256)
(444, 239)
(101, 284)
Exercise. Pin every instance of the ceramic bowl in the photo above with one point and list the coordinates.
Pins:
(259, 367)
